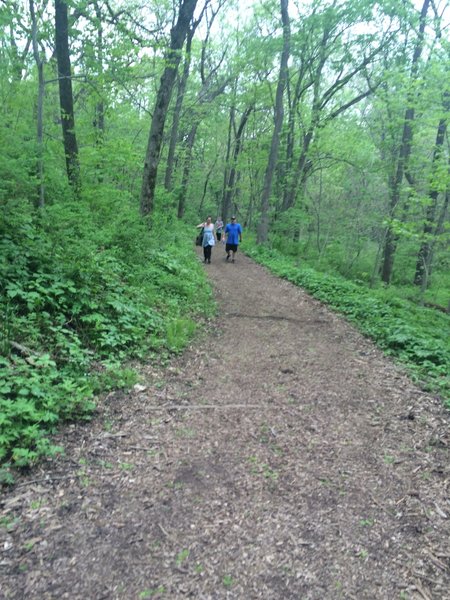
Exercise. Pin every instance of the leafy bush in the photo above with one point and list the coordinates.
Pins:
(84, 284)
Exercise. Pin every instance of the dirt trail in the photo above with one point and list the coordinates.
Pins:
(283, 457)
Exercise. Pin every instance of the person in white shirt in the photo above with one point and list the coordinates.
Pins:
(208, 239)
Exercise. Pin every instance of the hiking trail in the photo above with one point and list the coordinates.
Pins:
(281, 456)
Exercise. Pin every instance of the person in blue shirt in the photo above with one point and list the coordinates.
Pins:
(233, 236)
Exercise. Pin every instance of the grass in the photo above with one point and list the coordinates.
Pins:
(182, 557)
(228, 581)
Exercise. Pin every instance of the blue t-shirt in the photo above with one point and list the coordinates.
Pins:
(233, 231)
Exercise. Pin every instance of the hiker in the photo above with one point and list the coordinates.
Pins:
(233, 236)
(219, 228)
(208, 239)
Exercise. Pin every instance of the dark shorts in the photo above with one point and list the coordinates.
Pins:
(219, 236)
(231, 247)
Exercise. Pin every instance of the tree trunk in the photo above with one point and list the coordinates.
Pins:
(231, 127)
(205, 187)
(99, 121)
(298, 176)
(40, 132)
(232, 177)
(263, 228)
(40, 108)
(66, 95)
(177, 112)
(177, 37)
(404, 152)
(186, 169)
(428, 258)
(99, 115)
(196, 119)
(424, 256)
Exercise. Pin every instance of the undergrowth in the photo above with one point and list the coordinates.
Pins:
(417, 337)
(84, 287)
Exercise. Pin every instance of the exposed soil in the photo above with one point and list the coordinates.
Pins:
(282, 457)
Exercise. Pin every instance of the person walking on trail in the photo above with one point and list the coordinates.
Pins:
(219, 228)
(233, 237)
(208, 240)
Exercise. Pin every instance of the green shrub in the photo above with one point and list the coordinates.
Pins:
(85, 284)
(179, 331)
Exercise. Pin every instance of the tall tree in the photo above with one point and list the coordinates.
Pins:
(173, 57)
(263, 228)
(332, 76)
(179, 104)
(212, 86)
(39, 59)
(99, 121)
(404, 152)
(233, 168)
(66, 94)
(181, 90)
(424, 256)
(231, 128)
(207, 94)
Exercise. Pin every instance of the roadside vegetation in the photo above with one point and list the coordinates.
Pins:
(83, 291)
(414, 335)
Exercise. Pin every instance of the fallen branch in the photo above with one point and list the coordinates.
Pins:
(163, 530)
(25, 352)
(49, 479)
(107, 434)
(425, 577)
(201, 406)
(421, 591)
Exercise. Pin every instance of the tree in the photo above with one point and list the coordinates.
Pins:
(40, 60)
(99, 121)
(173, 57)
(404, 151)
(424, 257)
(212, 86)
(263, 228)
(333, 75)
(233, 168)
(179, 104)
(66, 95)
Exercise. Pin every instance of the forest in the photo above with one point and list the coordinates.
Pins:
(322, 124)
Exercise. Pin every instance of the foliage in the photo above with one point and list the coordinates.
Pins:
(416, 336)
(84, 287)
